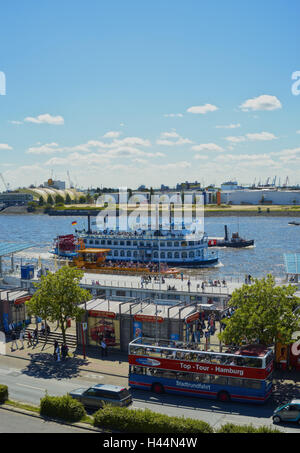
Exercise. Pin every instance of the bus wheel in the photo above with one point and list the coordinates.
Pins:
(224, 397)
(157, 388)
(277, 419)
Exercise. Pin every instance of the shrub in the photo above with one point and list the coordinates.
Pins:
(63, 407)
(3, 393)
(146, 421)
(231, 428)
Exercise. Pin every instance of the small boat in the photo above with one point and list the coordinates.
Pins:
(235, 242)
(94, 260)
(294, 223)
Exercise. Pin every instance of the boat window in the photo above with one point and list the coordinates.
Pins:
(191, 254)
(155, 255)
(169, 255)
(176, 255)
(128, 242)
(169, 244)
(96, 242)
(162, 255)
(134, 242)
(103, 241)
(191, 242)
(135, 254)
(128, 253)
(122, 243)
(176, 244)
(91, 242)
(116, 253)
(122, 253)
(184, 255)
(141, 244)
(108, 242)
(162, 244)
(115, 242)
(148, 244)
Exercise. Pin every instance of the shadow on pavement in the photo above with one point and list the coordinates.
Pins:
(43, 365)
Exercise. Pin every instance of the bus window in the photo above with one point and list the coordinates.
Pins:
(252, 384)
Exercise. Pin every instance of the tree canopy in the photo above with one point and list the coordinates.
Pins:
(58, 297)
(263, 314)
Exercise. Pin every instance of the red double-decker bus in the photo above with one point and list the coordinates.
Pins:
(239, 374)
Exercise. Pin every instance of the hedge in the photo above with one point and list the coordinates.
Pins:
(63, 407)
(146, 421)
(230, 428)
(3, 393)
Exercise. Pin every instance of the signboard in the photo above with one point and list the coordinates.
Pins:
(84, 325)
(198, 367)
(22, 300)
(148, 318)
(192, 317)
(102, 314)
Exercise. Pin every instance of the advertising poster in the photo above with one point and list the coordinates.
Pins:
(137, 329)
(103, 326)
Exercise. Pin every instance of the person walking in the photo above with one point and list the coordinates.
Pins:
(29, 339)
(103, 349)
(64, 351)
(57, 352)
(189, 285)
(21, 338)
(55, 347)
(14, 340)
(35, 337)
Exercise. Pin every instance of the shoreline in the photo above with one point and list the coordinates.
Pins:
(244, 212)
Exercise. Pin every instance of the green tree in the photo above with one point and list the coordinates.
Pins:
(58, 296)
(82, 199)
(50, 200)
(41, 201)
(59, 199)
(68, 199)
(263, 313)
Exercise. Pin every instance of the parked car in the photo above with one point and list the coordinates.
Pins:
(289, 412)
(101, 394)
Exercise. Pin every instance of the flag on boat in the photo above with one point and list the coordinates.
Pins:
(74, 223)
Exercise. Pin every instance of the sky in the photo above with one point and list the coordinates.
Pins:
(127, 92)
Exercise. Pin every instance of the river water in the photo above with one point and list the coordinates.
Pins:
(273, 237)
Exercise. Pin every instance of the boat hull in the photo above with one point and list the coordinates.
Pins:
(236, 245)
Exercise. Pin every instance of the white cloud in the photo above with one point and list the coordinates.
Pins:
(5, 146)
(166, 139)
(48, 148)
(207, 147)
(202, 109)
(298, 132)
(235, 139)
(200, 157)
(45, 119)
(264, 102)
(15, 122)
(264, 136)
(173, 115)
(230, 126)
(112, 134)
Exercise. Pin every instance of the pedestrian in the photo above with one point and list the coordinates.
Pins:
(29, 339)
(64, 351)
(181, 275)
(55, 346)
(103, 349)
(57, 352)
(14, 340)
(35, 337)
(189, 285)
(21, 338)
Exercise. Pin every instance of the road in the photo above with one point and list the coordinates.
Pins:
(26, 385)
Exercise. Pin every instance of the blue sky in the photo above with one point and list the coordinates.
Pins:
(149, 92)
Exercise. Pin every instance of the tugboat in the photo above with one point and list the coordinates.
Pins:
(294, 223)
(235, 242)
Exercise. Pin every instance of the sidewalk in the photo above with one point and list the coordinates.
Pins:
(115, 364)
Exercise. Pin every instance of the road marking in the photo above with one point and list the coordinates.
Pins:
(31, 387)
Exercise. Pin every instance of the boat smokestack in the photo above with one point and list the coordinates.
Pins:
(226, 233)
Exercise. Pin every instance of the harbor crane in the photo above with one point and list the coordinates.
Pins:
(5, 184)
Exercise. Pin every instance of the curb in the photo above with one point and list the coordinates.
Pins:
(18, 410)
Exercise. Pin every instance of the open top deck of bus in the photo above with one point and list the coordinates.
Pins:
(254, 356)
